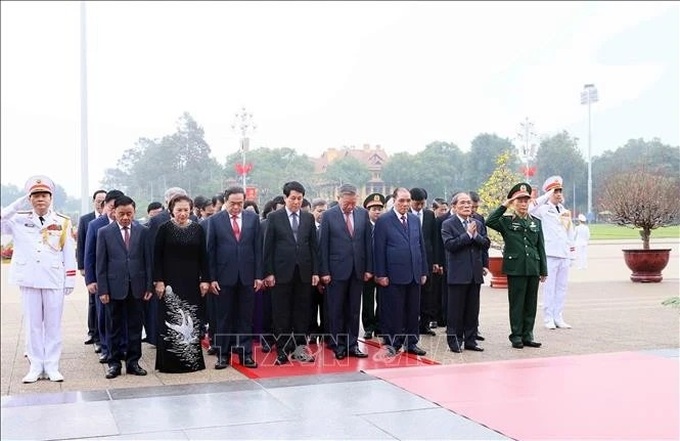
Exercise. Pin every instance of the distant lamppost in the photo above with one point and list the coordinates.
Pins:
(243, 124)
(589, 96)
(527, 149)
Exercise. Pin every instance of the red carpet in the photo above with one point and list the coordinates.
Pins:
(603, 396)
(325, 362)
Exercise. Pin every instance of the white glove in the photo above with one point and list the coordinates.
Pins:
(68, 291)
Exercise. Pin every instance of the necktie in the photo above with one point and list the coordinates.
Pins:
(348, 221)
(558, 208)
(295, 224)
(234, 226)
(403, 221)
(465, 224)
(126, 237)
(42, 220)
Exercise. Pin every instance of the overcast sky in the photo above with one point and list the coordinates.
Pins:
(322, 74)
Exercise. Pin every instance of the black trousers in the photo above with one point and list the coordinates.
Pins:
(317, 311)
(233, 315)
(369, 312)
(290, 312)
(427, 304)
(92, 329)
(344, 304)
(462, 314)
(126, 318)
(399, 308)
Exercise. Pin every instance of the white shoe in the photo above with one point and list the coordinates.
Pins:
(31, 377)
(55, 376)
(550, 324)
(562, 324)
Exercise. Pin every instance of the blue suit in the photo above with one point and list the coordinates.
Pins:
(346, 258)
(399, 254)
(235, 265)
(90, 262)
(84, 220)
(125, 275)
(464, 277)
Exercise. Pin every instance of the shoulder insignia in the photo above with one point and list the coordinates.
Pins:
(24, 212)
(62, 215)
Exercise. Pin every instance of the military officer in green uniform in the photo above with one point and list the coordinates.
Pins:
(524, 262)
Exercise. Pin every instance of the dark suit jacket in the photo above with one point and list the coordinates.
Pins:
(91, 248)
(282, 252)
(396, 254)
(439, 251)
(485, 255)
(464, 254)
(231, 260)
(429, 236)
(339, 252)
(119, 269)
(82, 233)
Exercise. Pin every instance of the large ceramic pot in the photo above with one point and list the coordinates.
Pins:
(498, 279)
(646, 265)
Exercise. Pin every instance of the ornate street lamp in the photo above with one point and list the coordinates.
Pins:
(243, 124)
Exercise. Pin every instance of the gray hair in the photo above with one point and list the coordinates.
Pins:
(454, 199)
(318, 202)
(348, 189)
(171, 192)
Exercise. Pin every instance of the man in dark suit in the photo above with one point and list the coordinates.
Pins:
(465, 246)
(123, 279)
(428, 305)
(346, 263)
(97, 202)
(151, 307)
(440, 265)
(485, 255)
(90, 260)
(234, 245)
(400, 269)
(291, 269)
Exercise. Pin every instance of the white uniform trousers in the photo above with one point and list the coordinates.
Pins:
(43, 309)
(555, 289)
(582, 256)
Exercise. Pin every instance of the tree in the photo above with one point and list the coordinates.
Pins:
(441, 164)
(347, 170)
(495, 191)
(642, 199)
(272, 168)
(178, 160)
(480, 161)
(402, 170)
(559, 155)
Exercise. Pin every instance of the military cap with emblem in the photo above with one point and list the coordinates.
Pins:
(552, 183)
(39, 184)
(520, 190)
(374, 199)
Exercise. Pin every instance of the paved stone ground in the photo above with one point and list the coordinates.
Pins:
(608, 313)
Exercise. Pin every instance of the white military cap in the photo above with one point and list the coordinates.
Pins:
(552, 183)
(39, 184)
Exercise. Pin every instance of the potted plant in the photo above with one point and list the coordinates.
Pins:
(646, 201)
(492, 194)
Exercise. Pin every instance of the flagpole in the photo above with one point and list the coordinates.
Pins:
(84, 174)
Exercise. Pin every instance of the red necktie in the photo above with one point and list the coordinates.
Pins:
(349, 224)
(234, 226)
(126, 237)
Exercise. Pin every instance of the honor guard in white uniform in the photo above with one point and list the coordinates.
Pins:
(559, 249)
(44, 267)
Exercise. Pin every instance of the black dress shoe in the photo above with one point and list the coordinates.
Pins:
(113, 372)
(135, 369)
(221, 363)
(415, 350)
(479, 337)
(517, 344)
(427, 332)
(433, 325)
(340, 355)
(456, 349)
(281, 359)
(89, 341)
(211, 350)
(356, 353)
(248, 362)
(103, 358)
(97, 348)
(532, 344)
(368, 335)
(266, 347)
(474, 348)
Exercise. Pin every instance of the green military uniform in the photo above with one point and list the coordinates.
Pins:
(524, 262)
